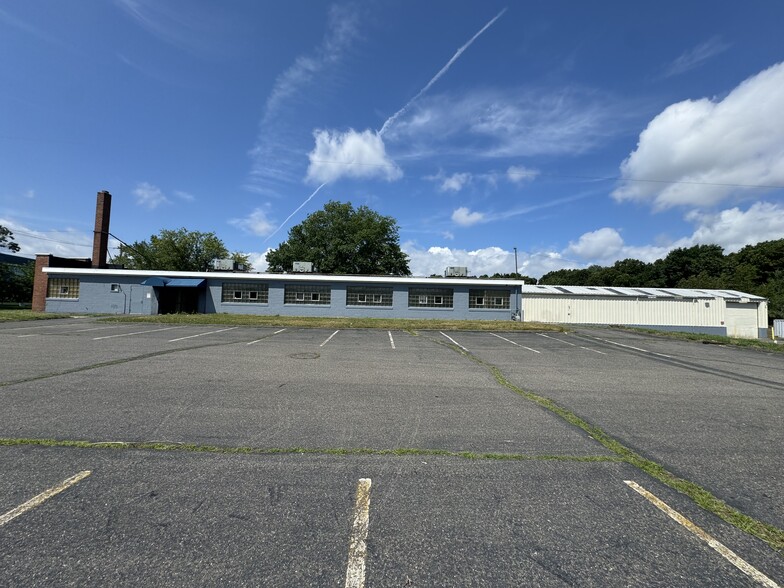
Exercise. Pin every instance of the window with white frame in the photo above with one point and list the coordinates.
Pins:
(307, 294)
(245, 292)
(368, 296)
(491, 299)
(430, 297)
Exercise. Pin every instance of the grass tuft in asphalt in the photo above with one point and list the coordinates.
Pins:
(768, 533)
(401, 451)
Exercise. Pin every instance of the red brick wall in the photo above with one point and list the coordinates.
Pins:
(40, 282)
(103, 208)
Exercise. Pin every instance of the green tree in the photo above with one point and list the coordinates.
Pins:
(7, 239)
(343, 240)
(174, 250)
(16, 281)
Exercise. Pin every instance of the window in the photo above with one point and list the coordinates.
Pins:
(245, 292)
(115, 288)
(490, 299)
(368, 296)
(62, 288)
(307, 293)
(430, 297)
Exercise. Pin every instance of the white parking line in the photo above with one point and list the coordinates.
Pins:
(391, 340)
(257, 340)
(513, 343)
(594, 350)
(453, 341)
(136, 333)
(357, 546)
(725, 552)
(635, 348)
(202, 334)
(29, 335)
(42, 497)
(330, 337)
(95, 329)
(556, 339)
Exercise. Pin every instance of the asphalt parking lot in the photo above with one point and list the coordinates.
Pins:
(486, 489)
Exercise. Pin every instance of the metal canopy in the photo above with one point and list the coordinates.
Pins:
(155, 282)
(185, 283)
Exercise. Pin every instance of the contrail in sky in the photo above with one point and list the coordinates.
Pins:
(444, 69)
(391, 120)
(288, 218)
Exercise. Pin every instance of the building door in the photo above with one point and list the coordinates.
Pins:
(741, 320)
(174, 300)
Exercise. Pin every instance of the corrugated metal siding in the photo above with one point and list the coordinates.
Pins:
(623, 311)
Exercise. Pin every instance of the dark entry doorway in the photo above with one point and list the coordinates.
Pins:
(174, 300)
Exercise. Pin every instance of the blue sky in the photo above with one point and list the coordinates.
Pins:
(577, 132)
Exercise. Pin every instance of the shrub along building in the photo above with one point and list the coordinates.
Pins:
(91, 286)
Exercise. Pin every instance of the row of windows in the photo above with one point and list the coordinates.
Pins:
(316, 294)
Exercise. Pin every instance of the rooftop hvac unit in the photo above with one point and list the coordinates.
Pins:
(456, 272)
(223, 265)
(303, 267)
(228, 265)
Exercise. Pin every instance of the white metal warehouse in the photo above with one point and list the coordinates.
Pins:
(719, 312)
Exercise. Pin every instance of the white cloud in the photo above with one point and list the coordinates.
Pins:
(695, 57)
(602, 244)
(259, 260)
(455, 182)
(711, 148)
(256, 223)
(448, 235)
(733, 229)
(465, 218)
(518, 174)
(149, 196)
(484, 261)
(63, 243)
(350, 154)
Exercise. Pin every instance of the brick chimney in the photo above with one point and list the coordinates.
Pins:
(103, 208)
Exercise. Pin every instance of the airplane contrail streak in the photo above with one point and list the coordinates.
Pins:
(436, 77)
(288, 218)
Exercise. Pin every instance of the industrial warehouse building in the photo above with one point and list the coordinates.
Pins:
(92, 286)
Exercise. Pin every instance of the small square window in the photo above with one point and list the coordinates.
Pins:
(237, 295)
(422, 299)
(438, 299)
(115, 288)
(361, 297)
(499, 301)
(63, 290)
(299, 296)
(315, 296)
(253, 295)
(377, 298)
(480, 300)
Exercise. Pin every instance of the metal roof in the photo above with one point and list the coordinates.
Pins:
(616, 292)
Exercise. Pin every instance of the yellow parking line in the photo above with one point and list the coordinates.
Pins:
(357, 548)
(725, 552)
(42, 497)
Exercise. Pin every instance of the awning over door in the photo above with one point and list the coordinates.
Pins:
(185, 283)
(174, 282)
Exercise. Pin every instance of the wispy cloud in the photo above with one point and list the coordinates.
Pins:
(288, 218)
(695, 57)
(465, 218)
(391, 120)
(509, 122)
(519, 174)
(185, 196)
(342, 30)
(188, 26)
(149, 196)
(256, 223)
(17, 23)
